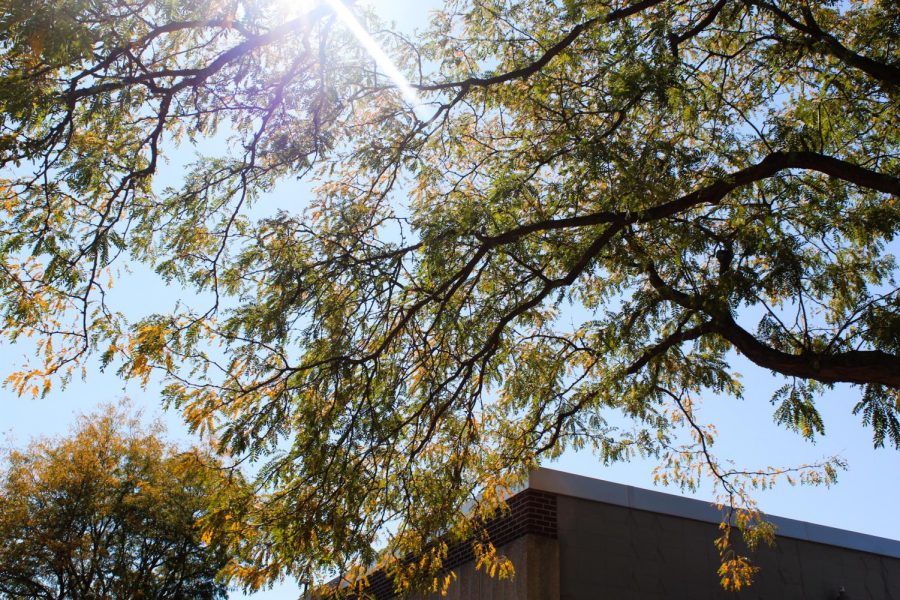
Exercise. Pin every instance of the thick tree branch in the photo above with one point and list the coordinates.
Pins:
(856, 366)
(192, 76)
(769, 166)
(884, 73)
(551, 53)
(714, 193)
(676, 40)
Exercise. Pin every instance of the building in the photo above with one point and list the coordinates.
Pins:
(576, 538)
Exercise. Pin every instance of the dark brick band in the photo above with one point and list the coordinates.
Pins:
(530, 512)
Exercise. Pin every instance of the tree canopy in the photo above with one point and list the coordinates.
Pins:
(111, 512)
(591, 208)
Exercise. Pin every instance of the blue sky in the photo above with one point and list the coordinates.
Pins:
(862, 501)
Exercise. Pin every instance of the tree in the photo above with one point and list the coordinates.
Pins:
(112, 511)
(594, 206)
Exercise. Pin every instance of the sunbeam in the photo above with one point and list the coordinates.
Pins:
(375, 51)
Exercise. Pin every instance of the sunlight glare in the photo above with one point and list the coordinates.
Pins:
(375, 51)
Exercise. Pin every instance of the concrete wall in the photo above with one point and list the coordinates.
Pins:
(616, 552)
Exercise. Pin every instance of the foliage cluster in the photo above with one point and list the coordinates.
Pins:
(112, 511)
(594, 206)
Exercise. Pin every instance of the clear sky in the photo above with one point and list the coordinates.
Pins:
(862, 501)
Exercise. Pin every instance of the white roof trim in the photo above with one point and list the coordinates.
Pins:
(598, 490)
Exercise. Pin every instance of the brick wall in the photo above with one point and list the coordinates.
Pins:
(530, 512)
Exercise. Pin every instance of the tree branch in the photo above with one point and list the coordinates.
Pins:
(551, 53)
(856, 366)
(884, 73)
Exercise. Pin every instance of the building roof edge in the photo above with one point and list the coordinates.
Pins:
(598, 490)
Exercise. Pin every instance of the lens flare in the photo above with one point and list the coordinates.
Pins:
(375, 51)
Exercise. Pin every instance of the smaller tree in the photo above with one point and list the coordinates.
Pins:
(112, 511)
